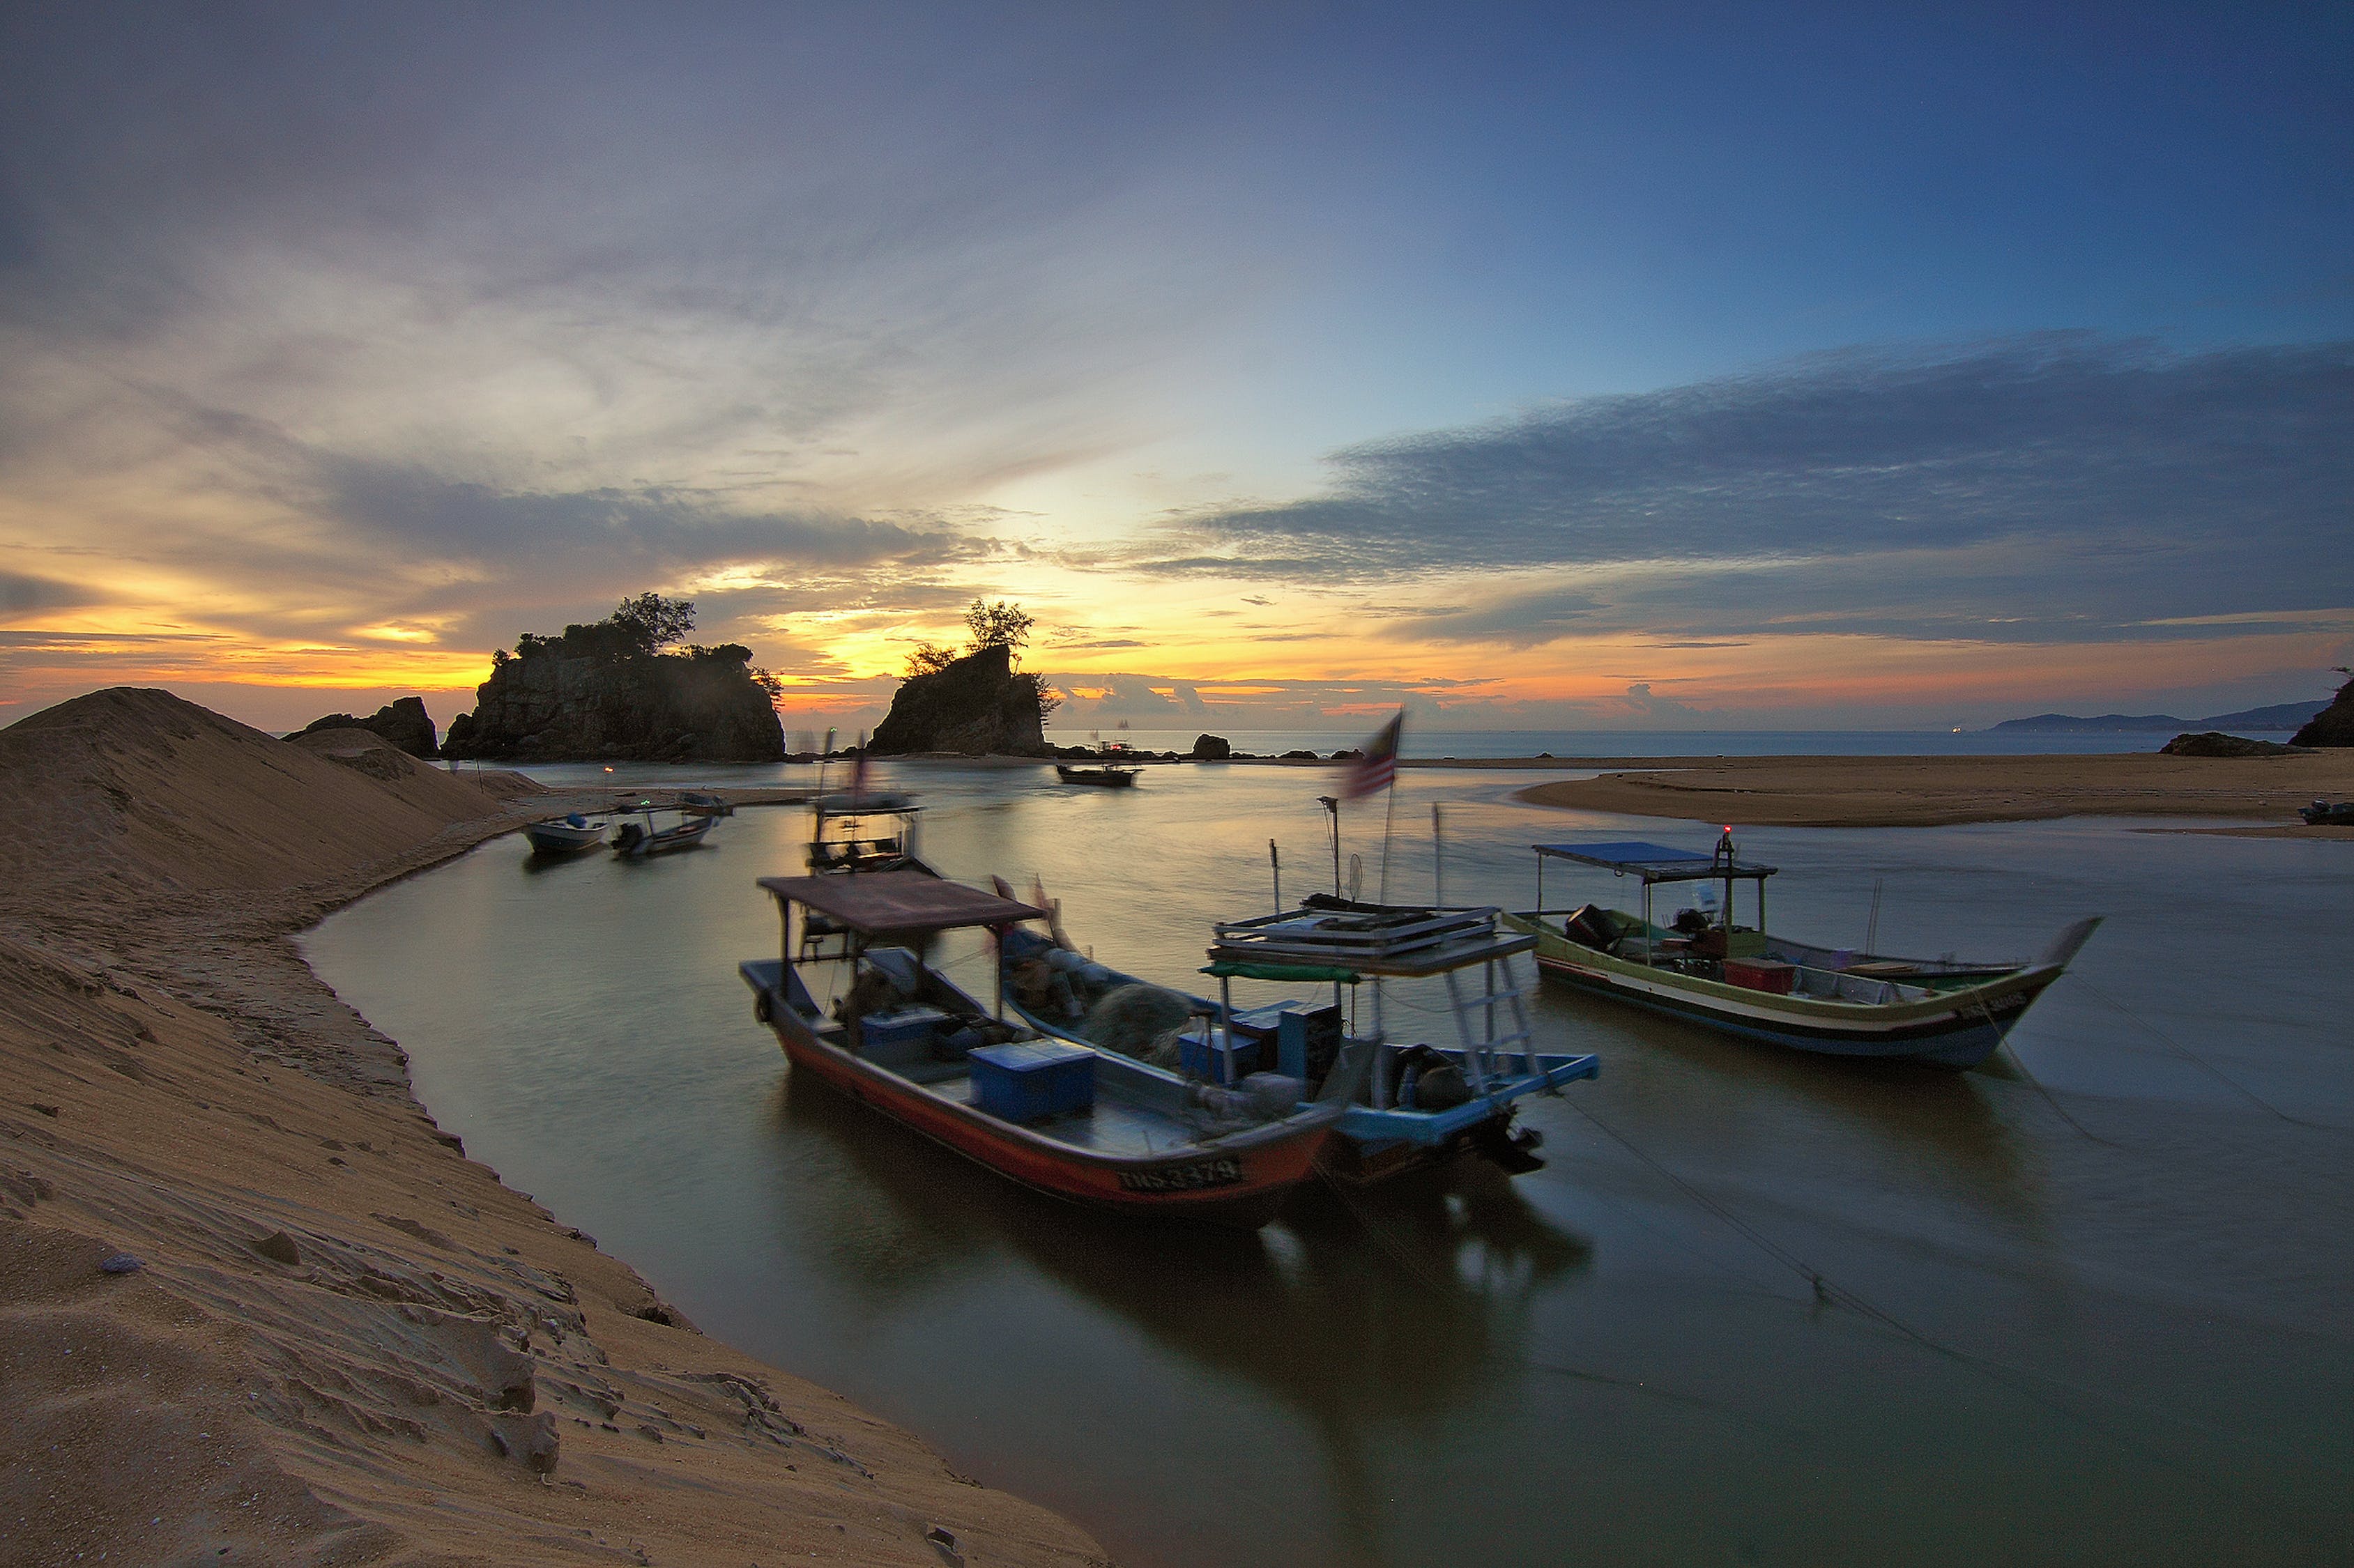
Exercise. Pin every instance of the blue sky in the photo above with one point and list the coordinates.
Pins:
(1459, 354)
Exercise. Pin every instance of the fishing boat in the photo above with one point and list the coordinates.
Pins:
(654, 835)
(2323, 814)
(1748, 981)
(1060, 1116)
(566, 834)
(864, 830)
(1415, 1105)
(1108, 777)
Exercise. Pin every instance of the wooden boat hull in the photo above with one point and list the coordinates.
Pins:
(1956, 1028)
(1241, 1181)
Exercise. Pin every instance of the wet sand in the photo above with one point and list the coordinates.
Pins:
(343, 1340)
(1932, 791)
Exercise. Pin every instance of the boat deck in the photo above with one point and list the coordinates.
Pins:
(1125, 1119)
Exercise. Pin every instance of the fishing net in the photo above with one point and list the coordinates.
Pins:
(1138, 1020)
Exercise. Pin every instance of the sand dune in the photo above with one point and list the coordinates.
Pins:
(345, 1342)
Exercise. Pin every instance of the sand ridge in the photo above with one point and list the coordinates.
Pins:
(1928, 792)
(345, 1343)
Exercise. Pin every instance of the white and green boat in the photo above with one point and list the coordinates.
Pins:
(1751, 981)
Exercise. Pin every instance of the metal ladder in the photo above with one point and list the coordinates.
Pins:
(1490, 1045)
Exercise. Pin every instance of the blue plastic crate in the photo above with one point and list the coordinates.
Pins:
(1200, 1059)
(1031, 1080)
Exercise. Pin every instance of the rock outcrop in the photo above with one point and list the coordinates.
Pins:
(1211, 749)
(403, 721)
(2215, 743)
(977, 706)
(2333, 726)
(552, 703)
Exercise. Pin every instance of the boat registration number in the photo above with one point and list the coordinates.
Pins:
(1183, 1178)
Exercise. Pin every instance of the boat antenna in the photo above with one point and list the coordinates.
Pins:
(1275, 860)
(1871, 925)
(1332, 807)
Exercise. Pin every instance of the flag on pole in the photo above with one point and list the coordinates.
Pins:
(858, 773)
(1376, 769)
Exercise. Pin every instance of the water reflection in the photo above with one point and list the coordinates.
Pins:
(1363, 1317)
(1593, 1362)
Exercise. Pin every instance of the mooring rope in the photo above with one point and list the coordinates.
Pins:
(2195, 1060)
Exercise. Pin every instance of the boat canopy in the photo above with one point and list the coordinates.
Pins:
(899, 901)
(1657, 862)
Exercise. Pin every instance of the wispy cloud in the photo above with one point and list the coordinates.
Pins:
(2052, 486)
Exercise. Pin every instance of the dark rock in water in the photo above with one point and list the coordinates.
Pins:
(577, 699)
(403, 721)
(977, 706)
(279, 1248)
(2333, 726)
(120, 1263)
(1211, 749)
(2215, 743)
(1351, 754)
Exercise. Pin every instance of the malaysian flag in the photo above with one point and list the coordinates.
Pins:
(1377, 769)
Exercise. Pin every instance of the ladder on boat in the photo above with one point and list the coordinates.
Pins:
(1485, 1050)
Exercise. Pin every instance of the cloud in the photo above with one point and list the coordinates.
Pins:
(20, 594)
(2039, 483)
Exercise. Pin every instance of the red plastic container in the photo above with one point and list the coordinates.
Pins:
(1762, 974)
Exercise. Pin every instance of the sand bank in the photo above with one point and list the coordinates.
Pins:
(1926, 791)
(346, 1342)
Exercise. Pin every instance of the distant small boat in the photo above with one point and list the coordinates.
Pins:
(565, 835)
(1752, 984)
(2321, 814)
(637, 840)
(708, 805)
(1088, 1126)
(1107, 776)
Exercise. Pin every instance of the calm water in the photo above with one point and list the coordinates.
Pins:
(2099, 1314)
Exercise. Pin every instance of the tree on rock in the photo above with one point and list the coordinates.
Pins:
(998, 625)
(654, 622)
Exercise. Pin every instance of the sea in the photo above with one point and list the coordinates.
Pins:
(2085, 1304)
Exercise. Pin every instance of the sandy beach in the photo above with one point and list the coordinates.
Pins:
(341, 1340)
(1930, 791)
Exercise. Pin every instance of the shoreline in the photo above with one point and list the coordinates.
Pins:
(1940, 791)
(343, 1339)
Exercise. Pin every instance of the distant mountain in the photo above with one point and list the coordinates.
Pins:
(2100, 722)
(2280, 715)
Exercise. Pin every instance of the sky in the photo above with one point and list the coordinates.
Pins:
(1559, 367)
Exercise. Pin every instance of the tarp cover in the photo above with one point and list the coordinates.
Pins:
(900, 901)
(1655, 863)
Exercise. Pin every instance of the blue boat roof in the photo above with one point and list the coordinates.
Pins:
(1655, 863)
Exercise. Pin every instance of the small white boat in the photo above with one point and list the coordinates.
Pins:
(565, 835)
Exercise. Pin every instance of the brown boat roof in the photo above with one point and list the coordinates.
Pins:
(900, 901)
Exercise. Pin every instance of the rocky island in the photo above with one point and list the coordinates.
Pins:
(979, 704)
(619, 689)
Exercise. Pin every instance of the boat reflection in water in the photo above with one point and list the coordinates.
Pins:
(1362, 1322)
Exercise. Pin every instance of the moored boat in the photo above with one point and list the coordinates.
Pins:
(1414, 1104)
(566, 834)
(1107, 776)
(2323, 814)
(1060, 1116)
(654, 835)
(864, 830)
(1748, 981)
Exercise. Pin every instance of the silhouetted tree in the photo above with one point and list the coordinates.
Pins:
(929, 658)
(999, 623)
(653, 622)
